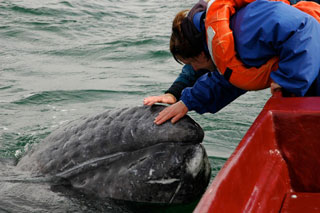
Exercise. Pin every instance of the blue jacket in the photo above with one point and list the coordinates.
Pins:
(186, 78)
(262, 30)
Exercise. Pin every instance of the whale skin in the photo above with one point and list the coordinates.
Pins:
(121, 154)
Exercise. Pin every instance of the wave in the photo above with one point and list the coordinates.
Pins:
(72, 96)
(41, 11)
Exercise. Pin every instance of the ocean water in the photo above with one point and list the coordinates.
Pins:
(63, 59)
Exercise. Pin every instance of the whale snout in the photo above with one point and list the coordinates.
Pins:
(122, 154)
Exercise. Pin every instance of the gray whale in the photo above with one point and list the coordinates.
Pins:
(121, 154)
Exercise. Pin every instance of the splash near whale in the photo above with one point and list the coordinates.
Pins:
(121, 154)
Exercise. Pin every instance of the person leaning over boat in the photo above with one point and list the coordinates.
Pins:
(252, 82)
(262, 31)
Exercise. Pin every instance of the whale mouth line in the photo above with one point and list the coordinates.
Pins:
(89, 165)
(96, 162)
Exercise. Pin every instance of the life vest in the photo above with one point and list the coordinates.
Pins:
(222, 47)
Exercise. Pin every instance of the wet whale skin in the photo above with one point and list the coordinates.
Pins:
(122, 154)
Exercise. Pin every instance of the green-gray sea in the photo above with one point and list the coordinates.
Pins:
(64, 59)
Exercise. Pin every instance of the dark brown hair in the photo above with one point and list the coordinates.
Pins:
(179, 44)
(185, 46)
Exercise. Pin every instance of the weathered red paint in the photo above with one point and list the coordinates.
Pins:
(278, 156)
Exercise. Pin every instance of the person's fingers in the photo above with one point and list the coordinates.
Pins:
(165, 98)
(275, 88)
(273, 91)
(160, 119)
(177, 118)
(175, 111)
(163, 116)
(151, 100)
(149, 103)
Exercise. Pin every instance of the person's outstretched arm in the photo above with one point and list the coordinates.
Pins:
(210, 93)
(186, 78)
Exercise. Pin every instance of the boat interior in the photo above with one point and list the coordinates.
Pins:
(276, 166)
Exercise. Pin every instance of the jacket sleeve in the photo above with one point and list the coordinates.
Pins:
(263, 30)
(210, 93)
(186, 78)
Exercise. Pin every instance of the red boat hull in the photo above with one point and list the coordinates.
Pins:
(276, 166)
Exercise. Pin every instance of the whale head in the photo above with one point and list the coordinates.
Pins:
(122, 154)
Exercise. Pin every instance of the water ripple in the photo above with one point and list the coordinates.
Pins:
(82, 96)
